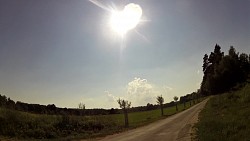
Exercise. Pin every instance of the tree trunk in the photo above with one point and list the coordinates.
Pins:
(126, 117)
(161, 110)
(176, 107)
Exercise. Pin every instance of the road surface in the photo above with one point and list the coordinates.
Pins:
(174, 128)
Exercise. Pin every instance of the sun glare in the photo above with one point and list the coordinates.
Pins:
(127, 19)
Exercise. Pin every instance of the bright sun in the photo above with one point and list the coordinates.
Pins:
(123, 21)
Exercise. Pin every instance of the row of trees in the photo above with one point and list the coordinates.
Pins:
(222, 72)
(183, 99)
(80, 110)
(125, 105)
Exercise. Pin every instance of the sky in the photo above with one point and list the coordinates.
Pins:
(64, 51)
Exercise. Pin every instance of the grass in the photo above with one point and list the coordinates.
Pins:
(137, 119)
(27, 126)
(226, 117)
(21, 125)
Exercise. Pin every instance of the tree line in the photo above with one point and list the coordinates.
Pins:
(80, 111)
(50, 108)
(223, 72)
(125, 105)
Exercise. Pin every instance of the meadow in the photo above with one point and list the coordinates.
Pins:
(27, 126)
(226, 117)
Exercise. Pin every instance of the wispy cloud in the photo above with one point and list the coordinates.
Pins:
(110, 97)
(167, 88)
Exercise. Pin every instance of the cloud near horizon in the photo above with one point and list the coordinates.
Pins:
(140, 92)
(110, 97)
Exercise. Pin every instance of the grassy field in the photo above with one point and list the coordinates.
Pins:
(226, 117)
(27, 126)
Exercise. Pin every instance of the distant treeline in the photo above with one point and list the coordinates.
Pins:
(223, 72)
(53, 110)
(49, 109)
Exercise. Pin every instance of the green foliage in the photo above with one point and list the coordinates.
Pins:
(223, 72)
(25, 125)
(176, 99)
(226, 117)
(160, 101)
(14, 123)
(125, 105)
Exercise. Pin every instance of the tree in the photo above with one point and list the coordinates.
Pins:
(190, 99)
(232, 53)
(124, 105)
(160, 101)
(81, 106)
(3, 100)
(176, 99)
(10, 104)
(205, 62)
(150, 106)
(222, 73)
(52, 109)
(193, 97)
(113, 111)
(209, 83)
(244, 65)
(183, 100)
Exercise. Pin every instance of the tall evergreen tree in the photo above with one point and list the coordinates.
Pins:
(209, 82)
(205, 62)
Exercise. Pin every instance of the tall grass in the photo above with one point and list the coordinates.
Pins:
(33, 126)
(226, 117)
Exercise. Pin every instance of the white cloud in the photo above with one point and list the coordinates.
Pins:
(138, 86)
(169, 92)
(109, 100)
(140, 92)
(110, 97)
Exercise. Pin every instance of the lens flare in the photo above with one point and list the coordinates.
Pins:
(127, 19)
(122, 21)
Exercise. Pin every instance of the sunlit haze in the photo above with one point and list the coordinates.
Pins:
(127, 19)
(64, 52)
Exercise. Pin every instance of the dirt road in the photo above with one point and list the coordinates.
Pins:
(174, 128)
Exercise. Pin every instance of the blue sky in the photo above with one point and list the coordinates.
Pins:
(64, 52)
